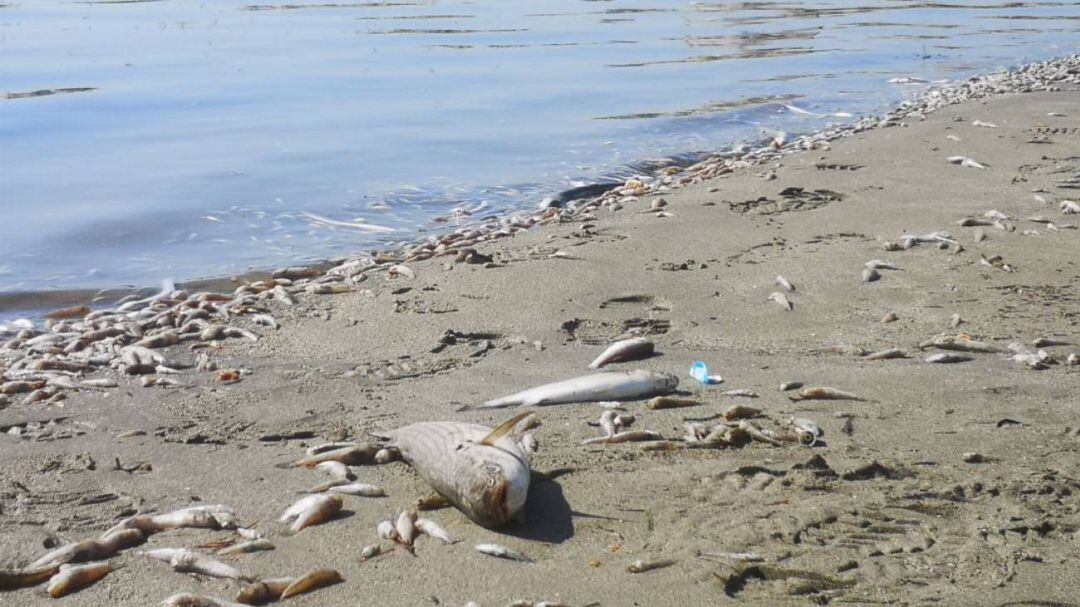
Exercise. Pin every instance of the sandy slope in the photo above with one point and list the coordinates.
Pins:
(830, 524)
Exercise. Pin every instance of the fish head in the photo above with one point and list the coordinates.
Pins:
(499, 496)
(666, 381)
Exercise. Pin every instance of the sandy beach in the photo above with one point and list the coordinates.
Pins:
(951, 484)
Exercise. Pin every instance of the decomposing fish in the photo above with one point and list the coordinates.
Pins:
(741, 392)
(888, 354)
(194, 600)
(1069, 207)
(72, 578)
(960, 343)
(320, 578)
(90, 550)
(26, 578)
(614, 385)
(621, 351)
(433, 529)
(480, 470)
(824, 393)
(500, 551)
(353, 455)
(996, 261)
(807, 431)
(966, 162)
(735, 412)
(948, 357)
(671, 402)
(189, 561)
(264, 591)
(785, 283)
(370, 552)
(779, 298)
(359, 490)
(311, 510)
(247, 546)
(623, 437)
(641, 566)
(386, 530)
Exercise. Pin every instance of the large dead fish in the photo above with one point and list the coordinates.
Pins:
(479, 470)
(613, 385)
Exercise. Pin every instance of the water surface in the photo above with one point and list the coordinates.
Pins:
(150, 139)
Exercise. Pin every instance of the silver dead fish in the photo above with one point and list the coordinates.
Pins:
(479, 470)
(621, 385)
(625, 350)
(500, 551)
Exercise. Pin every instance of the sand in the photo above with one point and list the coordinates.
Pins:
(889, 512)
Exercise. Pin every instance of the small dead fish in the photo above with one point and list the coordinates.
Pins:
(607, 422)
(401, 270)
(311, 510)
(359, 490)
(824, 393)
(623, 437)
(502, 552)
(1069, 207)
(641, 566)
(779, 298)
(948, 357)
(735, 412)
(433, 529)
(612, 385)
(26, 578)
(889, 317)
(189, 561)
(625, 350)
(370, 552)
(889, 354)
(880, 264)
(807, 430)
(336, 470)
(785, 283)
(870, 275)
(960, 343)
(319, 578)
(966, 162)
(741, 392)
(247, 546)
(995, 262)
(955, 321)
(406, 527)
(351, 456)
(985, 125)
(194, 600)
(671, 402)
(72, 578)
(387, 531)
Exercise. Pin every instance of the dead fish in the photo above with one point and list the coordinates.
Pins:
(311, 510)
(72, 578)
(401, 270)
(870, 275)
(480, 470)
(615, 385)
(247, 546)
(948, 357)
(995, 261)
(625, 350)
(607, 422)
(502, 552)
(189, 561)
(211, 516)
(265, 591)
(889, 317)
(90, 550)
(1068, 207)
(335, 470)
(741, 392)
(671, 402)
(359, 490)
(319, 578)
(194, 600)
(966, 162)
(623, 437)
(880, 264)
(324, 447)
(370, 552)
(955, 321)
(641, 566)
(785, 283)
(807, 430)
(889, 354)
(987, 125)
(824, 393)
(735, 412)
(755, 433)
(779, 298)
(386, 530)
(433, 529)
(406, 527)
(960, 343)
(26, 578)
(351, 456)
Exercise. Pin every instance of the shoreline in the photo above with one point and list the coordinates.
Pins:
(576, 200)
(945, 481)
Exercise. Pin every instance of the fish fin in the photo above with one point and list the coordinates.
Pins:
(503, 429)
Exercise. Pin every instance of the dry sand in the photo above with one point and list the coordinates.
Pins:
(888, 513)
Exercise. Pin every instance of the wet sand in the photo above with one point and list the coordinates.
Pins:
(887, 512)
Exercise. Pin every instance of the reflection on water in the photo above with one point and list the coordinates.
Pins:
(145, 139)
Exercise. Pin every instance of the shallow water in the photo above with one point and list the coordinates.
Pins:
(149, 139)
